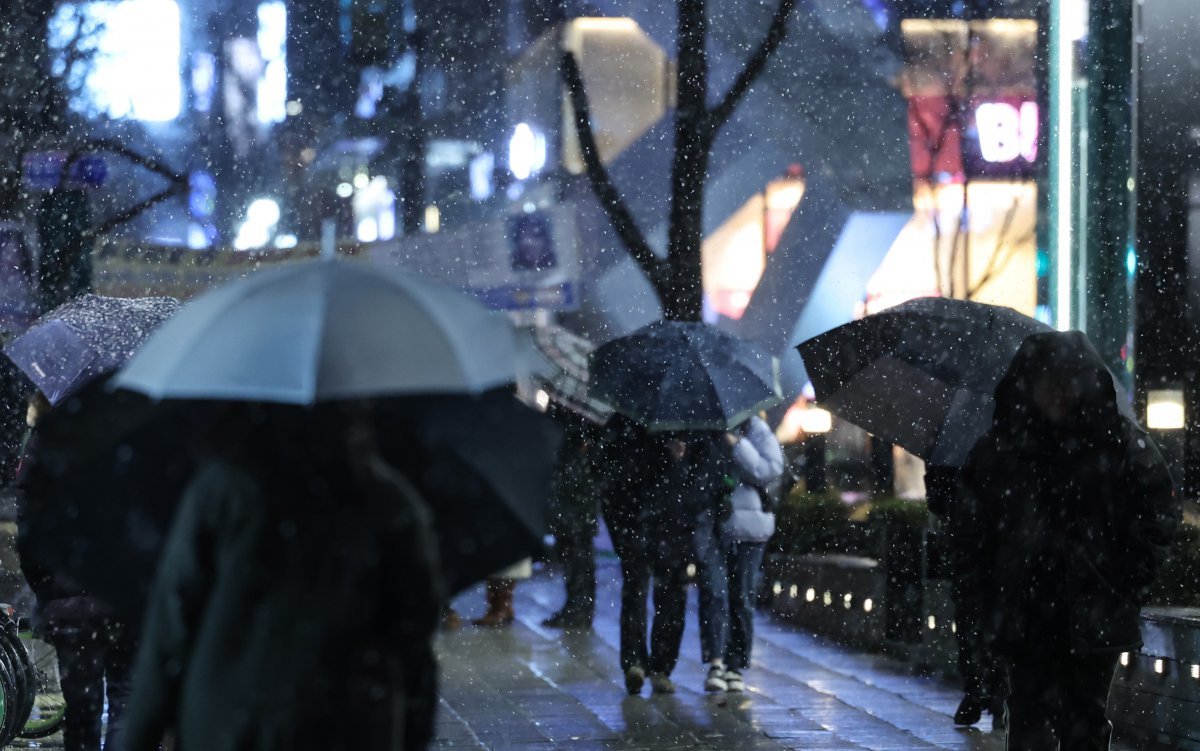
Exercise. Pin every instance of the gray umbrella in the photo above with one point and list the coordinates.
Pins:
(922, 374)
(566, 383)
(322, 330)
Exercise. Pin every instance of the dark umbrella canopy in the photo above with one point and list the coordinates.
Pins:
(920, 374)
(103, 489)
(112, 466)
(85, 338)
(484, 465)
(674, 375)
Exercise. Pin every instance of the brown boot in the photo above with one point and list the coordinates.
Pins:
(451, 620)
(499, 602)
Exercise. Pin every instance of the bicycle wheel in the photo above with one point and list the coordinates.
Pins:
(22, 671)
(8, 704)
(49, 708)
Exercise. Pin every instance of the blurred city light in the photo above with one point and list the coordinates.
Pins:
(526, 151)
(1165, 410)
(136, 69)
(262, 216)
(271, 100)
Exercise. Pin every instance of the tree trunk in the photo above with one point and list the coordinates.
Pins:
(683, 300)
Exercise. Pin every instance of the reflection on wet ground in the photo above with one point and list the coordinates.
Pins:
(527, 687)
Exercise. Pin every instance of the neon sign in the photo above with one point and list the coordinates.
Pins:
(1007, 132)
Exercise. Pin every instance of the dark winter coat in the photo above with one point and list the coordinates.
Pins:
(1072, 518)
(653, 494)
(291, 611)
(63, 605)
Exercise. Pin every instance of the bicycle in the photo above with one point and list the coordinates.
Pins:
(47, 708)
(31, 701)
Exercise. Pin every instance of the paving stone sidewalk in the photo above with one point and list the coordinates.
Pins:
(528, 687)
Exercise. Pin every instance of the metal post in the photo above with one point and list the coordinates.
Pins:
(1109, 218)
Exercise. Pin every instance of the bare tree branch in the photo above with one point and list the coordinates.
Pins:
(141, 160)
(132, 212)
(602, 184)
(720, 114)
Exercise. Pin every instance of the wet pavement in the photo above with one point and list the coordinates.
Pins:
(528, 687)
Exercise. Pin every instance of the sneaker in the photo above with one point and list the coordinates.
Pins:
(734, 682)
(661, 684)
(716, 679)
(634, 678)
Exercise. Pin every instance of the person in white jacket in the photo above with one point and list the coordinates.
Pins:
(758, 461)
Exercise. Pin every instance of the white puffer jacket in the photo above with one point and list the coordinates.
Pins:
(759, 460)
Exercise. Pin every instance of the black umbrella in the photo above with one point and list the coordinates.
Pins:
(674, 375)
(112, 467)
(84, 339)
(484, 465)
(109, 470)
(921, 374)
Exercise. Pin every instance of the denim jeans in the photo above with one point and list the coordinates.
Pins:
(710, 549)
(744, 564)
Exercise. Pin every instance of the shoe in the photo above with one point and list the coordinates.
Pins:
(563, 619)
(716, 679)
(499, 602)
(634, 678)
(733, 680)
(661, 684)
(969, 711)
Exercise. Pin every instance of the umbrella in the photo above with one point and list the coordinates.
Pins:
(921, 374)
(567, 383)
(113, 467)
(110, 469)
(484, 464)
(322, 330)
(85, 338)
(675, 375)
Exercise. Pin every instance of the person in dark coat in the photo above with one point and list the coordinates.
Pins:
(647, 509)
(574, 511)
(981, 672)
(1075, 515)
(94, 647)
(296, 598)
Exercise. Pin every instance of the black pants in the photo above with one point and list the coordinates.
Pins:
(982, 672)
(93, 662)
(576, 551)
(645, 560)
(1057, 702)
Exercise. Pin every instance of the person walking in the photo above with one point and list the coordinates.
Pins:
(296, 598)
(94, 647)
(712, 484)
(981, 672)
(1075, 515)
(758, 466)
(646, 480)
(573, 521)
